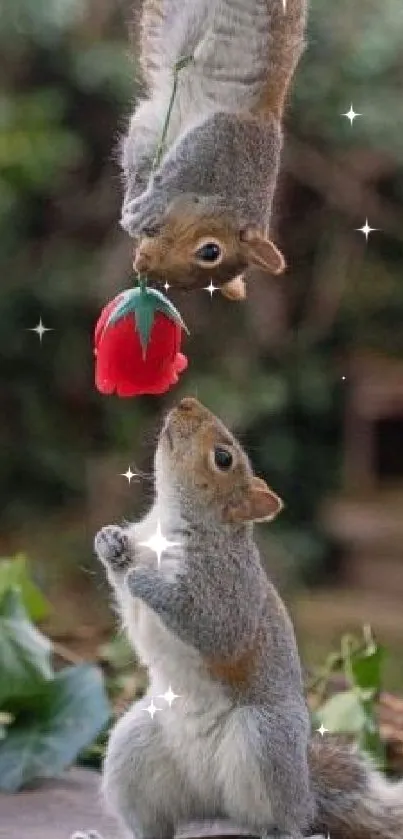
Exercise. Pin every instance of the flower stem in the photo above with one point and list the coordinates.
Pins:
(183, 62)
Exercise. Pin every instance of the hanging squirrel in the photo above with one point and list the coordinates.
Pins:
(204, 211)
(235, 742)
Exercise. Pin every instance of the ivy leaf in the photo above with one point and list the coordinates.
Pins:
(343, 713)
(366, 669)
(72, 710)
(14, 573)
(24, 651)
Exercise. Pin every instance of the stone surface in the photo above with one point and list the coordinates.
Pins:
(55, 809)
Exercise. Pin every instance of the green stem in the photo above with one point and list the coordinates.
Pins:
(183, 62)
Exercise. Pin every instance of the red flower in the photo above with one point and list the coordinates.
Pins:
(121, 366)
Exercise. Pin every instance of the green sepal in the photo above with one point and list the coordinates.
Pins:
(125, 306)
(162, 304)
(143, 303)
(144, 317)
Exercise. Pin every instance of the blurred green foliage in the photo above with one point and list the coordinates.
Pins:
(46, 717)
(353, 711)
(272, 368)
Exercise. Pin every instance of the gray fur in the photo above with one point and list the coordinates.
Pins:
(210, 745)
(214, 145)
(218, 158)
(238, 749)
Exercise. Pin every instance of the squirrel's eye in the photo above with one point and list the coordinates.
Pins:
(222, 459)
(209, 253)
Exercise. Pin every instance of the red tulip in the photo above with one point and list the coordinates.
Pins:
(132, 362)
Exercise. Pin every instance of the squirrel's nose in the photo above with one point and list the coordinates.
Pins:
(190, 406)
(141, 261)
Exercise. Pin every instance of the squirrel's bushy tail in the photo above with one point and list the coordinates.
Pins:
(353, 800)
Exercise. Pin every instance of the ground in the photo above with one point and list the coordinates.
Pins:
(56, 809)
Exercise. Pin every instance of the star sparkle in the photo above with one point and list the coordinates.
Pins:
(129, 475)
(351, 114)
(40, 329)
(167, 286)
(322, 730)
(158, 543)
(366, 229)
(152, 709)
(211, 288)
(169, 696)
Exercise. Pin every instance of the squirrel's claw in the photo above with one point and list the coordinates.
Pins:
(112, 548)
(143, 212)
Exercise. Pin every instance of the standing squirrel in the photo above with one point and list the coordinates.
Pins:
(235, 742)
(204, 212)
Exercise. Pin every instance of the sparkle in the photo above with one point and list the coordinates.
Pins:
(211, 288)
(152, 709)
(366, 229)
(128, 474)
(40, 329)
(343, 378)
(351, 115)
(158, 543)
(284, 2)
(322, 730)
(167, 286)
(169, 696)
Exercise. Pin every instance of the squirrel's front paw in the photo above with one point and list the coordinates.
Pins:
(112, 547)
(143, 213)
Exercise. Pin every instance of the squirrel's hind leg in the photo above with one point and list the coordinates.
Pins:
(263, 774)
(141, 781)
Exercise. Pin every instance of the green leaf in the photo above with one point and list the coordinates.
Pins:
(343, 713)
(24, 652)
(118, 652)
(14, 573)
(366, 669)
(73, 710)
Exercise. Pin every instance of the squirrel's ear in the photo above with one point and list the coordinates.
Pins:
(235, 289)
(260, 503)
(262, 252)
